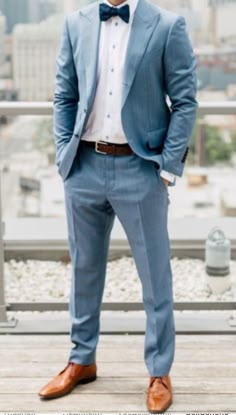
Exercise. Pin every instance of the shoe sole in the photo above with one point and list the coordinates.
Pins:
(59, 394)
(162, 410)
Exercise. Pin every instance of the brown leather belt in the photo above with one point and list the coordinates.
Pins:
(105, 147)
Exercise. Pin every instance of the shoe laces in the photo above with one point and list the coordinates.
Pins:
(156, 379)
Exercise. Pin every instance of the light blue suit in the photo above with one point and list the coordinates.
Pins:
(159, 62)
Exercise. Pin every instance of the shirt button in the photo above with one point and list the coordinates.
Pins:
(116, 23)
(108, 116)
(110, 93)
(112, 69)
(113, 46)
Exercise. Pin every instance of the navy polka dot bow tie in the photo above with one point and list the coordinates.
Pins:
(106, 12)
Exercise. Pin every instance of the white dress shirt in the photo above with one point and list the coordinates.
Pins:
(104, 122)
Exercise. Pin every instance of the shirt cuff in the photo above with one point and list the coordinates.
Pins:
(167, 175)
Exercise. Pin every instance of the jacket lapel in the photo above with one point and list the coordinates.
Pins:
(90, 31)
(144, 22)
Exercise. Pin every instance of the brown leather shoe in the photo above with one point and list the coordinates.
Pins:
(72, 375)
(159, 394)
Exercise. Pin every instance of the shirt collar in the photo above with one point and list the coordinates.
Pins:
(132, 5)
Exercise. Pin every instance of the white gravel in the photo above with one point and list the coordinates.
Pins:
(34, 280)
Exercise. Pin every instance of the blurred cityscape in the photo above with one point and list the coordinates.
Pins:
(29, 39)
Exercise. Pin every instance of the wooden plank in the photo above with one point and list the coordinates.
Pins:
(112, 341)
(122, 354)
(115, 402)
(121, 385)
(203, 368)
(133, 369)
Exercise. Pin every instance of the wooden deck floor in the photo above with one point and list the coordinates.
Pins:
(203, 374)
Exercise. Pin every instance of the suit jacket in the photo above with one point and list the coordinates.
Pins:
(159, 62)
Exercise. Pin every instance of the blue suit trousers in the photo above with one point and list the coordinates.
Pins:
(98, 187)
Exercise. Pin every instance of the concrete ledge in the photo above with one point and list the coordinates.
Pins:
(46, 238)
(123, 322)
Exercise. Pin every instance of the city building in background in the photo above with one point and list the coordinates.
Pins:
(5, 84)
(15, 12)
(34, 49)
(30, 32)
(41, 9)
(28, 11)
(2, 36)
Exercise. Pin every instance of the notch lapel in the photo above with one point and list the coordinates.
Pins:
(90, 32)
(144, 22)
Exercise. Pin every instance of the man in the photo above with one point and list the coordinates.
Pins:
(118, 146)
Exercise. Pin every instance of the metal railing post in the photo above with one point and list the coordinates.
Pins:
(4, 321)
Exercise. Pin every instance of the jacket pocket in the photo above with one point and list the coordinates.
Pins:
(156, 138)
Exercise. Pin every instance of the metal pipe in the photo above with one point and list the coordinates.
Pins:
(46, 108)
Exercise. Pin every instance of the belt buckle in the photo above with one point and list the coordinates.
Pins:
(96, 146)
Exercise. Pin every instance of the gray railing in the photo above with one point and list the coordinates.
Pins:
(42, 108)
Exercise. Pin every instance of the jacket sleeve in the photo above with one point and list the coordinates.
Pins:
(66, 93)
(181, 87)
